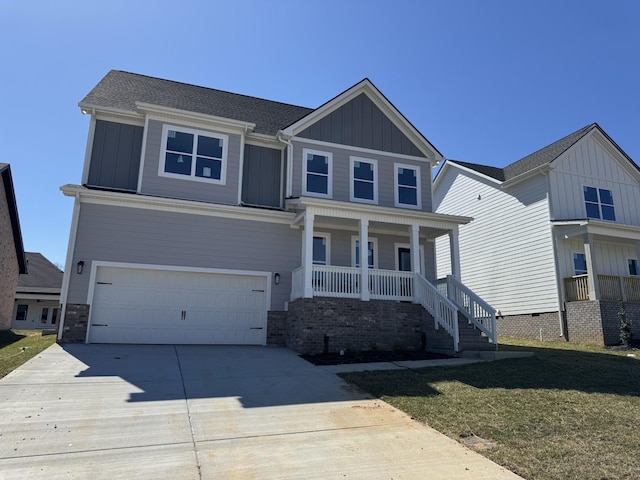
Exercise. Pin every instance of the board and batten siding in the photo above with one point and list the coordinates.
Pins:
(125, 234)
(262, 176)
(360, 123)
(115, 156)
(341, 162)
(187, 189)
(589, 163)
(610, 258)
(506, 252)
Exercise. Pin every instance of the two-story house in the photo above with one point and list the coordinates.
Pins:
(555, 240)
(211, 217)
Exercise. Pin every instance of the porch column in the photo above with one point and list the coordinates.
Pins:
(592, 275)
(454, 251)
(307, 255)
(364, 259)
(414, 231)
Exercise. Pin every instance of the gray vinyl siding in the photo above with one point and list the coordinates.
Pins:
(340, 181)
(360, 123)
(187, 189)
(123, 234)
(262, 176)
(115, 156)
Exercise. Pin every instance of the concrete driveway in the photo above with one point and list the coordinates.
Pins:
(192, 412)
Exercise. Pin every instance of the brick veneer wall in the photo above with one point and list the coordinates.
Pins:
(8, 263)
(277, 328)
(355, 325)
(584, 323)
(76, 318)
(529, 326)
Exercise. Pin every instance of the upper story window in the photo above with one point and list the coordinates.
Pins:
(599, 203)
(579, 264)
(363, 180)
(193, 154)
(317, 173)
(407, 186)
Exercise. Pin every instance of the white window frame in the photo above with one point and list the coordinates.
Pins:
(329, 155)
(573, 264)
(327, 239)
(192, 177)
(396, 186)
(599, 204)
(352, 180)
(355, 259)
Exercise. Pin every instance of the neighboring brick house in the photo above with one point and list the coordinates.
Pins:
(207, 216)
(12, 259)
(555, 240)
(37, 301)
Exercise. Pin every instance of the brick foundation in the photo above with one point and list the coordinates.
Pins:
(277, 328)
(76, 318)
(530, 326)
(351, 324)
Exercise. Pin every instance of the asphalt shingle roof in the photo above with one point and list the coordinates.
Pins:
(43, 276)
(121, 90)
(493, 172)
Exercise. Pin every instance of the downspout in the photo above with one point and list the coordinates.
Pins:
(289, 179)
(556, 266)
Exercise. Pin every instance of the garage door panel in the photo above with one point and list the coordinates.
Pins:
(146, 306)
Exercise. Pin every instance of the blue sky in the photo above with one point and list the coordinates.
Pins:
(485, 81)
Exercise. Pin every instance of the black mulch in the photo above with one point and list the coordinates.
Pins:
(370, 357)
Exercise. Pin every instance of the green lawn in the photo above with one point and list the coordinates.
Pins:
(569, 412)
(18, 346)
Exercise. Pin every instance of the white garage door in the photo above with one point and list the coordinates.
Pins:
(132, 305)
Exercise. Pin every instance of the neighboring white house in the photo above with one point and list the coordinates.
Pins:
(555, 239)
(37, 299)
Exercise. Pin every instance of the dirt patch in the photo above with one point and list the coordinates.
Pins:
(370, 357)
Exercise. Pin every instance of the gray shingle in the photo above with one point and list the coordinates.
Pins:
(493, 172)
(120, 90)
(43, 276)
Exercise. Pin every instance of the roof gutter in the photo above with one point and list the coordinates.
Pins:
(541, 170)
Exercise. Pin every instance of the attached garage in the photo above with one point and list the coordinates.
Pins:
(162, 305)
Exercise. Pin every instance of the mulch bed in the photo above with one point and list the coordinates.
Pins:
(370, 357)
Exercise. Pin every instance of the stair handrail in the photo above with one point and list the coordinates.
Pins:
(479, 312)
(443, 311)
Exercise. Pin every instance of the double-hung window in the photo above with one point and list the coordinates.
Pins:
(407, 186)
(193, 154)
(363, 180)
(599, 203)
(317, 173)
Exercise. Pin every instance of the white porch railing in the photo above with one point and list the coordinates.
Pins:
(479, 312)
(443, 311)
(390, 284)
(297, 283)
(332, 281)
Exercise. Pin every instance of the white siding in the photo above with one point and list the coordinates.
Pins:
(610, 258)
(506, 252)
(589, 163)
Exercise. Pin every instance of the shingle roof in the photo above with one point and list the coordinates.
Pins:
(541, 157)
(121, 90)
(43, 276)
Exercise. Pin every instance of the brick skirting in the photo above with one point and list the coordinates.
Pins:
(596, 321)
(76, 318)
(530, 326)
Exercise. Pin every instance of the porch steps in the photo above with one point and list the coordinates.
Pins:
(470, 337)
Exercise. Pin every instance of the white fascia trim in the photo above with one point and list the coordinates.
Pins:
(356, 211)
(360, 150)
(541, 170)
(365, 86)
(261, 140)
(173, 113)
(68, 270)
(43, 297)
(599, 227)
(130, 200)
(115, 112)
(89, 149)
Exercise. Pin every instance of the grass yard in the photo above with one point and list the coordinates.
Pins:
(18, 346)
(569, 412)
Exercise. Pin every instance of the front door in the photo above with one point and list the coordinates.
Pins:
(404, 259)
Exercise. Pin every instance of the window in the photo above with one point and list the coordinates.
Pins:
(579, 264)
(21, 313)
(599, 203)
(44, 315)
(317, 173)
(54, 316)
(372, 252)
(363, 180)
(407, 186)
(321, 249)
(193, 154)
(633, 267)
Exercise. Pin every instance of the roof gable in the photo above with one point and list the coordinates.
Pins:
(43, 275)
(121, 91)
(10, 196)
(362, 116)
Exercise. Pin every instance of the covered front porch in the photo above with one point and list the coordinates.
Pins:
(397, 265)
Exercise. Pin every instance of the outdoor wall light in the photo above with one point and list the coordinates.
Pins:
(80, 267)
(276, 279)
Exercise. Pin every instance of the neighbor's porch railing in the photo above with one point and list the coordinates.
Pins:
(612, 287)
(477, 311)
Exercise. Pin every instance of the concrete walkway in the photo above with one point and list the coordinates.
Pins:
(204, 412)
